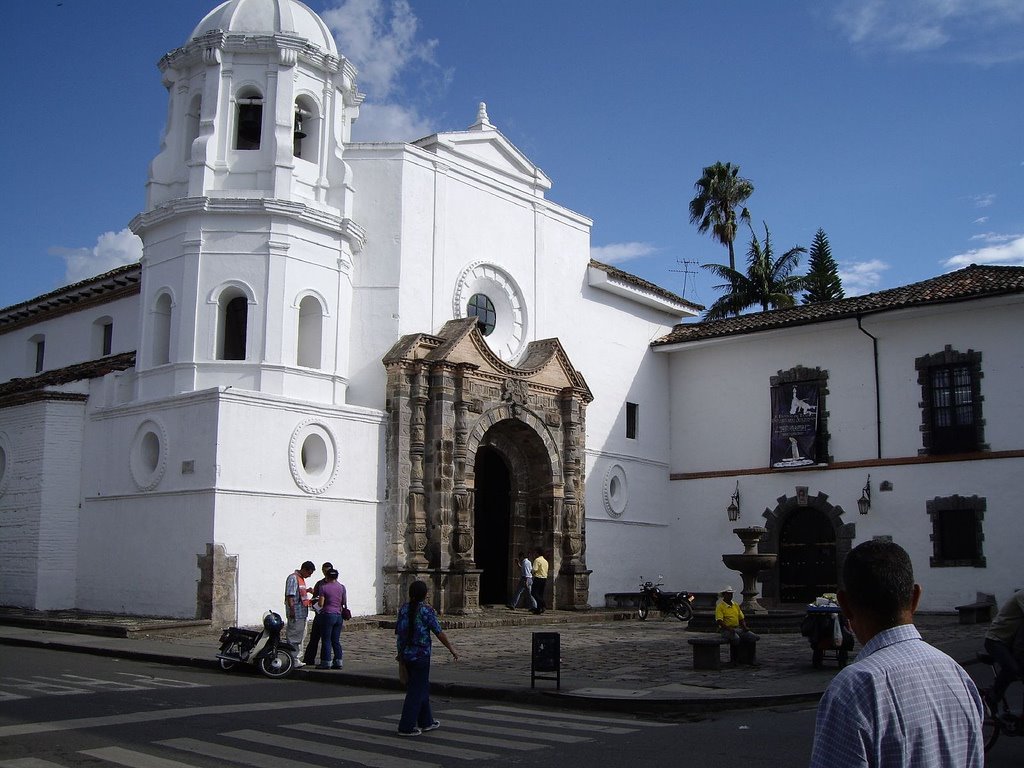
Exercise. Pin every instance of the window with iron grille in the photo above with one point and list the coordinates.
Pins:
(951, 402)
(957, 533)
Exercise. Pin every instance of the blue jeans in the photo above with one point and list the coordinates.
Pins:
(416, 709)
(330, 638)
(525, 588)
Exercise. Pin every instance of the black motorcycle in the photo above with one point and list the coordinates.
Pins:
(273, 656)
(669, 603)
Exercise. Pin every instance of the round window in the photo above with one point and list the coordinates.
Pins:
(616, 491)
(148, 458)
(4, 460)
(313, 456)
(482, 308)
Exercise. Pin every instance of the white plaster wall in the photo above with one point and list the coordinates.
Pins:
(721, 424)
(39, 498)
(69, 338)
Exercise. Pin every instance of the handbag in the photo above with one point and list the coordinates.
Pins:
(346, 614)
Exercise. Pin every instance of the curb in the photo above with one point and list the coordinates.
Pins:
(532, 696)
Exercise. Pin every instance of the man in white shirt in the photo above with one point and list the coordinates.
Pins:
(525, 582)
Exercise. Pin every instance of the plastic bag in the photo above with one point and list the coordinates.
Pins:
(837, 632)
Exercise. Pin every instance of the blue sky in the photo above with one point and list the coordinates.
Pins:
(897, 127)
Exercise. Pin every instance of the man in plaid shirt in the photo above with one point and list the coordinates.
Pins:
(903, 702)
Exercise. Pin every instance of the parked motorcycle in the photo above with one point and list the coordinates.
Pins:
(669, 603)
(273, 656)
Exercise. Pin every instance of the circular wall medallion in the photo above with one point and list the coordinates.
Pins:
(5, 461)
(507, 307)
(616, 491)
(147, 458)
(313, 456)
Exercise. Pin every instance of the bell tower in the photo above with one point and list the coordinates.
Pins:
(248, 237)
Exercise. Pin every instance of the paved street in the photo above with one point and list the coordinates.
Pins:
(69, 710)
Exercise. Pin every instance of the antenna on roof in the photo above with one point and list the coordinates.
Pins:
(687, 276)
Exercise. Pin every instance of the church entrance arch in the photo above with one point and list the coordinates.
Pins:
(484, 460)
(492, 512)
(811, 540)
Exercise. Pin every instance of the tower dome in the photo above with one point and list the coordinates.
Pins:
(268, 17)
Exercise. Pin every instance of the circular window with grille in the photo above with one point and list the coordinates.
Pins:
(489, 293)
(482, 308)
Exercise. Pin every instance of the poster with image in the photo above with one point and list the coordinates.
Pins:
(794, 424)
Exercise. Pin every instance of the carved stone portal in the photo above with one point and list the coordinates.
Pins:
(450, 401)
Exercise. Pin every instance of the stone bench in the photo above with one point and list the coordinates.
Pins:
(978, 612)
(705, 652)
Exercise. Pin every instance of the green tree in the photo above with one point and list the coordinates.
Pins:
(720, 191)
(768, 283)
(822, 282)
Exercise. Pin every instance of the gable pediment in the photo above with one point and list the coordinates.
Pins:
(483, 148)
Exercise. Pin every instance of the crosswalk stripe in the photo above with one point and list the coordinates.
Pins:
(446, 733)
(587, 718)
(545, 722)
(50, 726)
(133, 759)
(233, 754)
(462, 725)
(28, 762)
(422, 746)
(329, 750)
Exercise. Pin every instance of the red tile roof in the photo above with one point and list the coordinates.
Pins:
(973, 282)
(90, 369)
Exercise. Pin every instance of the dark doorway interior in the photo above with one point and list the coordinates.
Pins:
(491, 513)
(807, 556)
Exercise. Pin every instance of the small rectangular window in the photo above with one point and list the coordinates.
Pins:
(40, 354)
(957, 534)
(108, 337)
(632, 414)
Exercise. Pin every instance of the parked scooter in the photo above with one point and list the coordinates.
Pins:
(669, 603)
(273, 656)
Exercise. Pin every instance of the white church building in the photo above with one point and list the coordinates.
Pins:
(401, 358)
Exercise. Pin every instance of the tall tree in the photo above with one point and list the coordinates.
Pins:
(768, 283)
(822, 282)
(720, 191)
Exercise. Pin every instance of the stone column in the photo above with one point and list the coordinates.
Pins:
(573, 576)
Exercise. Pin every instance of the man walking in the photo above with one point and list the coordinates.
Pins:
(1004, 641)
(297, 598)
(525, 582)
(540, 581)
(903, 702)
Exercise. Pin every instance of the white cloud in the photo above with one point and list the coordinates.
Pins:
(982, 32)
(861, 277)
(979, 220)
(381, 37)
(1004, 250)
(112, 250)
(616, 253)
(984, 201)
(994, 237)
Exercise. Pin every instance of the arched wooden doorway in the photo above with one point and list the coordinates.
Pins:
(812, 541)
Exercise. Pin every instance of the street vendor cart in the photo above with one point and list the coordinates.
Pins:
(828, 633)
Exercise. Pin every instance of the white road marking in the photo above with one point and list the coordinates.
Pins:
(446, 733)
(234, 755)
(462, 725)
(329, 750)
(26, 729)
(133, 759)
(544, 722)
(422, 746)
(587, 718)
(29, 762)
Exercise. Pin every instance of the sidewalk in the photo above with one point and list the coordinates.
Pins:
(609, 659)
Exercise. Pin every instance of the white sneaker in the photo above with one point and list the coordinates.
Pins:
(296, 663)
(432, 727)
(413, 732)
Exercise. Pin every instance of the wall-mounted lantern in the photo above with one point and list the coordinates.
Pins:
(733, 510)
(864, 502)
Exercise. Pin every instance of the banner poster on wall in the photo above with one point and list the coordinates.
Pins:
(794, 424)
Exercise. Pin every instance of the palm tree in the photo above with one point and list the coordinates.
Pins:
(822, 283)
(769, 281)
(720, 190)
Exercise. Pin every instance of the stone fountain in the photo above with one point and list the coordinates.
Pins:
(749, 564)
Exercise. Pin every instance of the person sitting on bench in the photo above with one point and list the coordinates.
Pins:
(731, 621)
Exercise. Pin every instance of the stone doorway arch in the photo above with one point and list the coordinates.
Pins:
(454, 410)
(811, 540)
